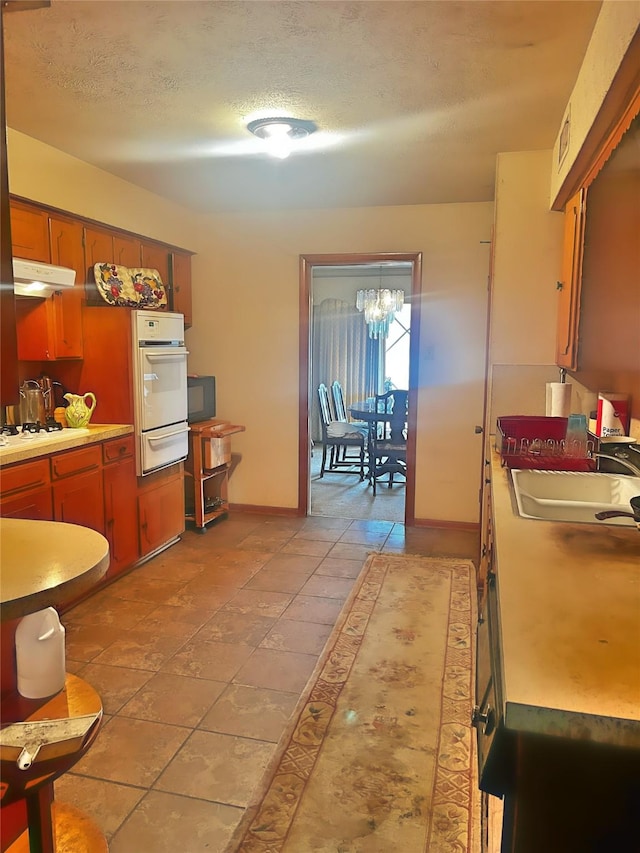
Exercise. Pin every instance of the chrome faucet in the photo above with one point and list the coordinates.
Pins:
(623, 460)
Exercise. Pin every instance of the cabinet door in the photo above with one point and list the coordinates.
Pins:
(78, 496)
(181, 285)
(156, 257)
(35, 504)
(29, 232)
(569, 288)
(67, 250)
(79, 500)
(161, 514)
(126, 250)
(98, 249)
(120, 504)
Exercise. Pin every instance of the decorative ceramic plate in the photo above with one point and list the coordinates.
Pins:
(148, 287)
(115, 285)
(135, 287)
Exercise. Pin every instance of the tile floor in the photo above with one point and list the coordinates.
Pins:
(200, 656)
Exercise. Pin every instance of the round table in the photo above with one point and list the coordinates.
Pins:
(45, 563)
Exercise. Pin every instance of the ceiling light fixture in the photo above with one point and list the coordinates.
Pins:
(279, 133)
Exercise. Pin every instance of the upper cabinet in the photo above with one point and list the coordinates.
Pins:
(30, 233)
(49, 329)
(599, 295)
(569, 286)
(105, 246)
(155, 256)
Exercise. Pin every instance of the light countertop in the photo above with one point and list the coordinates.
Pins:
(569, 604)
(46, 562)
(66, 439)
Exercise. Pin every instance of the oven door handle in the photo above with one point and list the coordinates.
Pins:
(167, 435)
(164, 355)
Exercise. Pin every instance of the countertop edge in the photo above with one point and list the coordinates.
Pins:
(97, 432)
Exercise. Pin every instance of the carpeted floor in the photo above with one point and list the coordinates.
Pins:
(379, 755)
(344, 495)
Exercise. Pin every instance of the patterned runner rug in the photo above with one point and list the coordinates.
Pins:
(380, 756)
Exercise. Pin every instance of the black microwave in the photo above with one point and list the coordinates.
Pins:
(201, 398)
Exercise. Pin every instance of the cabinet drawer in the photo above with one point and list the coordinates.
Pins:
(19, 478)
(75, 462)
(118, 448)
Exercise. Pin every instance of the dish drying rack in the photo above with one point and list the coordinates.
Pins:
(539, 442)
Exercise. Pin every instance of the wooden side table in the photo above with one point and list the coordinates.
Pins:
(52, 827)
(207, 471)
(43, 564)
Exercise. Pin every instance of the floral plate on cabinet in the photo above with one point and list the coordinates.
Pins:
(149, 287)
(115, 285)
(130, 287)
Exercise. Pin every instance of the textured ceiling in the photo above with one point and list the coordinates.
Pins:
(413, 100)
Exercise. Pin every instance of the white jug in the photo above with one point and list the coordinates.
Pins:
(40, 654)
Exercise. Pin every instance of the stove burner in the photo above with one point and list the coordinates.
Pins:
(9, 429)
(51, 425)
(31, 426)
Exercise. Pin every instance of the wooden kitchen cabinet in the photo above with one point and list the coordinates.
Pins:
(51, 329)
(156, 257)
(78, 495)
(26, 491)
(569, 287)
(29, 232)
(181, 285)
(160, 508)
(104, 245)
(120, 505)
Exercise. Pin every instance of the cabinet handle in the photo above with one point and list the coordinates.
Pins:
(559, 285)
(478, 430)
(486, 719)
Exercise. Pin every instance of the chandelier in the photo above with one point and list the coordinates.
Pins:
(380, 307)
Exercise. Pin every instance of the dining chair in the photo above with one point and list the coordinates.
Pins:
(387, 440)
(337, 434)
(340, 413)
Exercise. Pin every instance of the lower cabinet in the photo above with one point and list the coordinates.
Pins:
(26, 491)
(120, 505)
(96, 486)
(77, 487)
(160, 508)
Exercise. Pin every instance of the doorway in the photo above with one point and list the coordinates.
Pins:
(309, 263)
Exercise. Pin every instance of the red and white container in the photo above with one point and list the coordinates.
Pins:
(612, 414)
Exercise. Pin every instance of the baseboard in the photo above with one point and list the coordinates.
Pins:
(470, 526)
(288, 511)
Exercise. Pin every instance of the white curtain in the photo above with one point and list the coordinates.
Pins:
(343, 351)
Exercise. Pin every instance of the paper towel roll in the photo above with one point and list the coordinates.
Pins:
(613, 414)
(558, 399)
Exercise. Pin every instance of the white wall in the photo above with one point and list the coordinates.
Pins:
(527, 264)
(246, 332)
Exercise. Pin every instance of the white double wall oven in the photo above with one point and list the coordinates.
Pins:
(160, 390)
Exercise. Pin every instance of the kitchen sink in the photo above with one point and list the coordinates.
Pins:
(574, 495)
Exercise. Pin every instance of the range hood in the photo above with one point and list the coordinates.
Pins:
(32, 278)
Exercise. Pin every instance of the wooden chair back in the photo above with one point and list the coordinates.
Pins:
(338, 402)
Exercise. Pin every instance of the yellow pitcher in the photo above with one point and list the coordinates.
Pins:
(78, 412)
